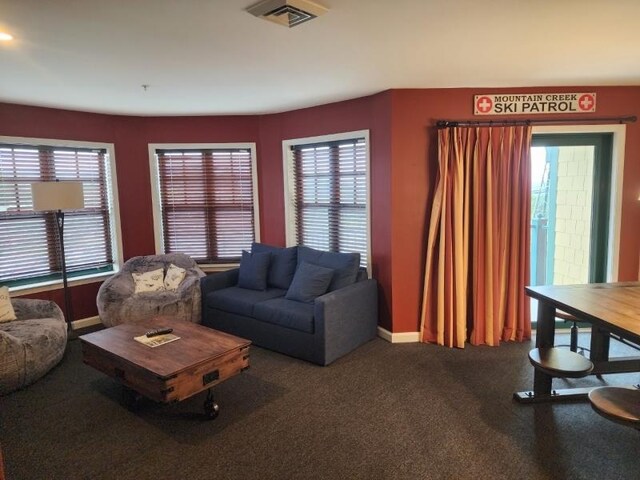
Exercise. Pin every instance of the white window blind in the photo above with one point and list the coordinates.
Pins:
(330, 198)
(29, 247)
(207, 202)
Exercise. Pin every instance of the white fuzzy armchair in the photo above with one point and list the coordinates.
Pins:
(117, 302)
(32, 344)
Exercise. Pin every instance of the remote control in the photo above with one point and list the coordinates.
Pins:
(159, 331)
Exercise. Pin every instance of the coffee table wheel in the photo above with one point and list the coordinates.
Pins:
(130, 397)
(211, 408)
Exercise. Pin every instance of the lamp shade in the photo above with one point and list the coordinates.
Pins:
(57, 196)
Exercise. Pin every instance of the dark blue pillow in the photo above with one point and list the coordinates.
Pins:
(283, 264)
(254, 268)
(310, 281)
(345, 265)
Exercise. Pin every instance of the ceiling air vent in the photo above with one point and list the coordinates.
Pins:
(287, 12)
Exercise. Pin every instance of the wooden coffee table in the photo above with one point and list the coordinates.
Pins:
(172, 372)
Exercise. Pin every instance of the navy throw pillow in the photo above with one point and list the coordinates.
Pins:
(310, 281)
(345, 265)
(254, 268)
(283, 264)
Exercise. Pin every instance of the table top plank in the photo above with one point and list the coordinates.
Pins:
(197, 344)
(614, 305)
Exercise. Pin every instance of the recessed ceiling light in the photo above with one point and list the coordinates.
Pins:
(5, 37)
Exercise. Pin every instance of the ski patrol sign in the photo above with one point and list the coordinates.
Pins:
(530, 103)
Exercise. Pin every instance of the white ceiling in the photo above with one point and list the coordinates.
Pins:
(212, 57)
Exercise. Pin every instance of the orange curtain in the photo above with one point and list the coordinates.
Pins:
(478, 244)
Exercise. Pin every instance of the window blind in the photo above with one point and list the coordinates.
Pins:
(206, 201)
(330, 200)
(29, 247)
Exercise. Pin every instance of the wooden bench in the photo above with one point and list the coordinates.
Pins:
(618, 404)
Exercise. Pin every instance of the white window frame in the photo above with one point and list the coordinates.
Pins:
(617, 171)
(114, 213)
(289, 181)
(155, 191)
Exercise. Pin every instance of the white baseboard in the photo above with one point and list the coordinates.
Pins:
(400, 337)
(414, 337)
(85, 322)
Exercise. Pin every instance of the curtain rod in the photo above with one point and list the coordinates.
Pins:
(529, 121)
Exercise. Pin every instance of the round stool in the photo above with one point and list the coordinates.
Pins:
(559, 362)
(618, 404)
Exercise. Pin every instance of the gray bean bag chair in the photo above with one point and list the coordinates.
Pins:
(118, 303)
(32, 344)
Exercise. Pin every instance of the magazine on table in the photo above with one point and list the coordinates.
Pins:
(156, 340)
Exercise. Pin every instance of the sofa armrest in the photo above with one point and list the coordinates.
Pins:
(117, 286)
(187, 285)
(347, 318)
(113, 291)
(27, 309)
(218, 281)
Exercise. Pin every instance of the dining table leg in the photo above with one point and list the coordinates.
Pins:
(545, 338)
(599, 347)
(546, 329)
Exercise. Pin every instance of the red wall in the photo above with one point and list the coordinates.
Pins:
(403, 170)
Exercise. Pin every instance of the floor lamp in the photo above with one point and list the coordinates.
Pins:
(58, 197)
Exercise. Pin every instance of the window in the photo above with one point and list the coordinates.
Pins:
(205, 200)
(327, 193)
(29, 252)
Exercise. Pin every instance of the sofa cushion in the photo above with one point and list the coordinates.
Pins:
(345, 265)
(283, 264)
(309, 282)
(240, 300)
(6, 309)
(254, 268)
(152, 281)
(174, 276)
(286, 313)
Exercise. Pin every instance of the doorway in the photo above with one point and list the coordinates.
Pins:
(570, 207)
(571, 177)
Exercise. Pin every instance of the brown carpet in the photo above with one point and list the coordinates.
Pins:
(385, 411)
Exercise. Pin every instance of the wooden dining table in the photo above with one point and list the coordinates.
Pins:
(612, 309)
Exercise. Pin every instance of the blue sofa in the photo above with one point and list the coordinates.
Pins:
(309, 304)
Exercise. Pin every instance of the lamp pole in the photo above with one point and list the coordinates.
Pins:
(63, 263)
(57, 197)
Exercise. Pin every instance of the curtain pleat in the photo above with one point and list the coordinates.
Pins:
(477, 261)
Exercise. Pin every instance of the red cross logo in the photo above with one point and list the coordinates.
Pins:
(587, 103)
(484, 105)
